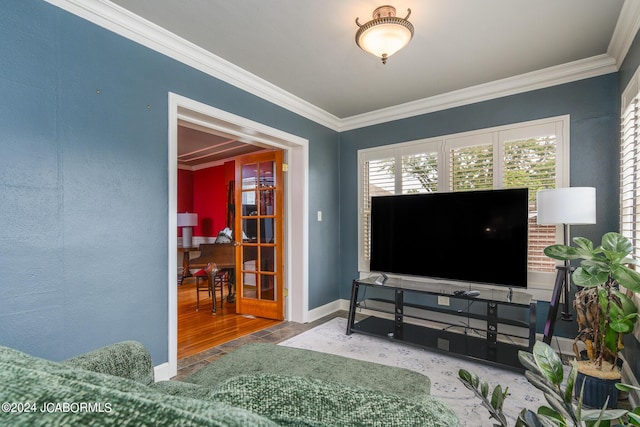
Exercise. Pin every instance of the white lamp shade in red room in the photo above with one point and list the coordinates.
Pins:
(186, 221)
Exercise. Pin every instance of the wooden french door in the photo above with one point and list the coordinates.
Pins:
(259, 235)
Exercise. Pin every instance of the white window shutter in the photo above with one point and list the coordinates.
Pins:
(531, 163)
(629, 175)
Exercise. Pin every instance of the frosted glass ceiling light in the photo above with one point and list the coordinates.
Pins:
(385, 34)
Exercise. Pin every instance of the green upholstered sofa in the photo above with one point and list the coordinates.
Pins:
(114, 385)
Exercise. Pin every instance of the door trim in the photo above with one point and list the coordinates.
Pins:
(296, 150)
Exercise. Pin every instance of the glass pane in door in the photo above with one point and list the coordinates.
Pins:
(268, 287)
(267, 174)
(267, 202)
(250, 269)
(249, 176)
(250, 229)
(249, 289)
(267, 270)
(267, 230)
(267, 259)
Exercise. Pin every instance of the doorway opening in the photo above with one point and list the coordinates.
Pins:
(296, 203)
(243, 220)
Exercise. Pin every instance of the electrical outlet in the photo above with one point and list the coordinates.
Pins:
(443, 344)
(443, 300)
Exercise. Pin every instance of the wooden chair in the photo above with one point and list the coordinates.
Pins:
(203, 282)
(219, 279)
(221, 254)
(210, 279)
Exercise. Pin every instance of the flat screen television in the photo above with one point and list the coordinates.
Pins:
(473, 236)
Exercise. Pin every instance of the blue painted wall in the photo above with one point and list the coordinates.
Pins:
(593, 106)
(84, 182)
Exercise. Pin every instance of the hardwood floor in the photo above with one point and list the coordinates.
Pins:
(274, 335)
(201, 330)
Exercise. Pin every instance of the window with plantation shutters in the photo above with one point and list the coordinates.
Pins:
(630, 165)
(471, 168)
(532, 155)
(629, 174)
(419, 173)
(531, 163)
(378, 180)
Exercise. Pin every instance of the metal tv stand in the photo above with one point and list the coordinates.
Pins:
(491, 326)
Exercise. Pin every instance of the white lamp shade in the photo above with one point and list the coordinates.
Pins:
(187, 219)
(570, 205)
(384, 39)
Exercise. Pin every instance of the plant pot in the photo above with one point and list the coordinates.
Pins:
(596, 391)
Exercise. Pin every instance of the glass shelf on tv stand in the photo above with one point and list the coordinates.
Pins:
(494, 342)
(502, 295)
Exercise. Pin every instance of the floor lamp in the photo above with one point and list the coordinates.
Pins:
(566, 206)
(186, 221)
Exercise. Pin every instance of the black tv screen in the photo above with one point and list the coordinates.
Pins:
(474, 236)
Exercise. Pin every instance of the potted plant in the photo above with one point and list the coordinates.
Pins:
(544, 370)
(604, 313)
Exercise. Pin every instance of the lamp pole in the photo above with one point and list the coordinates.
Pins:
(566, 313)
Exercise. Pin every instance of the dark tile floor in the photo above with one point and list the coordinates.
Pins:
(275, 334)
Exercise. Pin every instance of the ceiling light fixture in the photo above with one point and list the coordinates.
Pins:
(385, 34)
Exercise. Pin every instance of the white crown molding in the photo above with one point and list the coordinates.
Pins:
(560, 74)
(625, 31)
(120, 21)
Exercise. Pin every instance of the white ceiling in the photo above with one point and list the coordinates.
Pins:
(302, 55)
(307, 47)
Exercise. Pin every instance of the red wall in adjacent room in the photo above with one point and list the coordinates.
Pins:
(204, 192)
(209, 200)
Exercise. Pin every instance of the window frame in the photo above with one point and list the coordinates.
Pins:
(630, 95)
(497, 136)
(630, 98)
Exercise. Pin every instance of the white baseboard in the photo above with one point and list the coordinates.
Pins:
(327, 309)
(162, 372)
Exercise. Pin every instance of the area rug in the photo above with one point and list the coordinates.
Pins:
(442, 369)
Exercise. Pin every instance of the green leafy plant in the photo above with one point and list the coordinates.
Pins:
(604, 313)
(633, 417)
(481, 390)
(545, 371)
